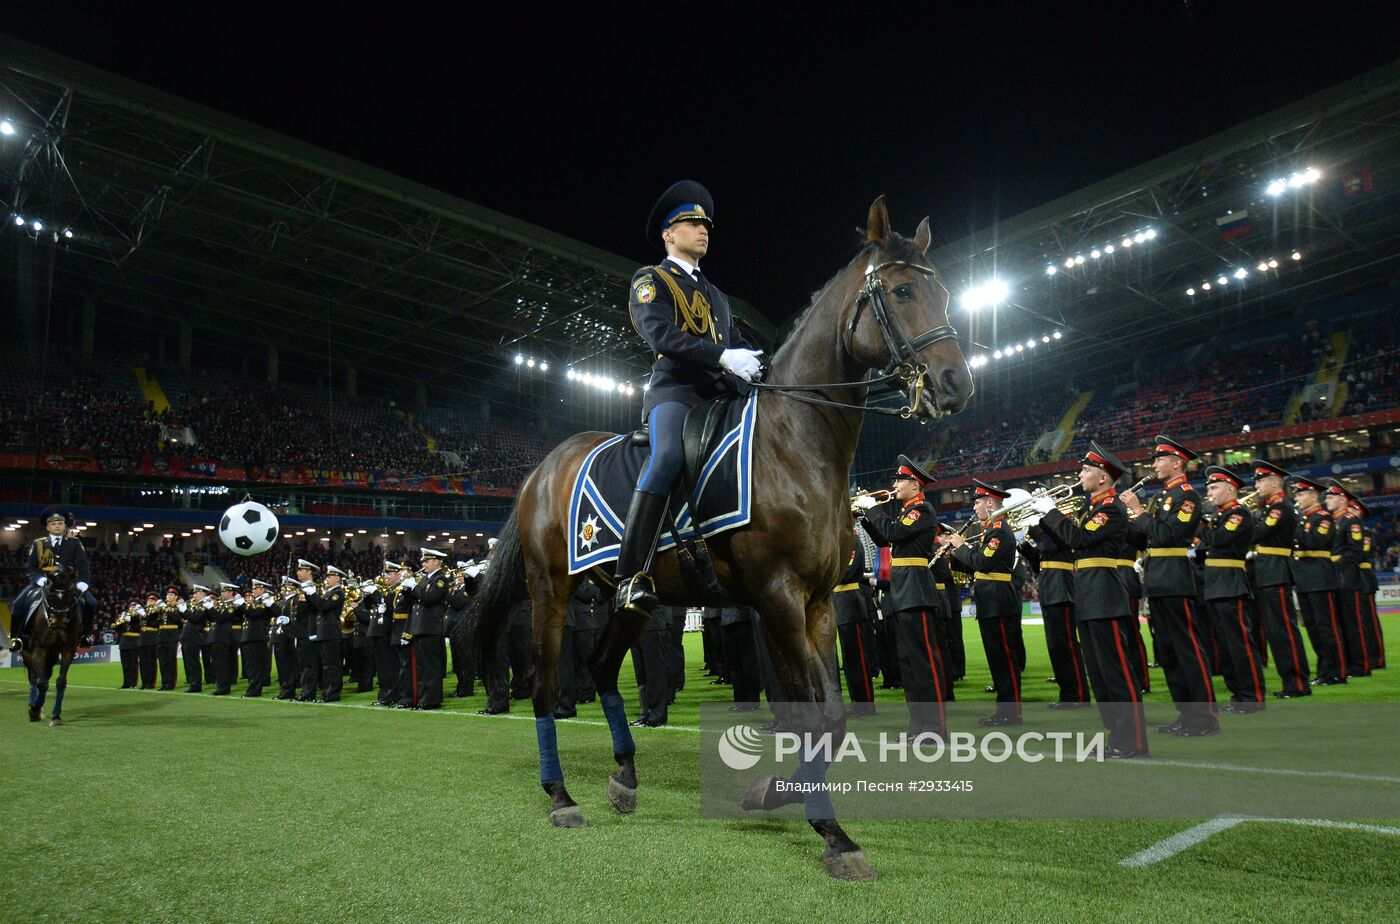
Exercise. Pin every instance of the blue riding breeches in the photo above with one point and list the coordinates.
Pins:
(663, 466)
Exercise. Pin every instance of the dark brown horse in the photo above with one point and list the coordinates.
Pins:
(57, 626)
(888, 310)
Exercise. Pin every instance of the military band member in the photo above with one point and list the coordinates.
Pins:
(291, 612)
(1348, 551)
(386, 656)
(1275, 522)
(907, 523)
(1371, 586)
(1228, 537)
(235, 628)
(1054, 561)
(206, 646)
(361, 649)
(989, 559)
(151, 620)
(1098, 538)
(46, 555)
(1317, 582)
(129, 642)
(309, 650)
(261, 610)
(221, 636)
(463, 664)
(1166, 529)
(852, 618)
(698, 355)
(739, 628)
(426, 627)
(172, 623)
(192, 636)
(1130, 573)
(400, 612)
(326, 604)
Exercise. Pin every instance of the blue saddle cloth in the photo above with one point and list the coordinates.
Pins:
(603, 488)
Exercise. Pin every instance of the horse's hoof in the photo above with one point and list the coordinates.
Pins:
(623, 798)
(567, 817)
(762, 795)
(850, 866)
(54, 723)
(35, 715)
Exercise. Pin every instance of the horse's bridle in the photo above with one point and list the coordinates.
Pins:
(904, 364)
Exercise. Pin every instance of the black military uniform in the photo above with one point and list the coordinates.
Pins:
(950, 621)
(1348, 550)
(261, 610)
(362, 648)
(168, 638)
(1228, 537)
(235, 628)
(1132, 580)
(741, 660)
(588, 611)
(405, 688)
(852, 618)
(989, 559)
(151, 621)
(909, 529)
(651, 666)
(206, 644)
(1275, 522)
(1317, 584)
(427, 627)
(309, 646)
(386, 656)
(463, 664)
(1166, 529)
(291, 610)
(192, 638)
(1371, 586)
(1098, 537)
(222, 618)
(1054, 564)
(326, 604)
(46, 555)
(129, 643)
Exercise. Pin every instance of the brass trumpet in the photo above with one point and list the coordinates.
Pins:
(1252, 500)
(1021, 514)
(881, 496)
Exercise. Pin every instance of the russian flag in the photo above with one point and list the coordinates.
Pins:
(1235, 224)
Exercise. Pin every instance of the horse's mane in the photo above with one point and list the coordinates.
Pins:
(899, 247)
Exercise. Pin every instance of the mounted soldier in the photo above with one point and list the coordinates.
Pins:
(46, 555)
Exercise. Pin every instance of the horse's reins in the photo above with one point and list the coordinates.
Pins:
(904, 365)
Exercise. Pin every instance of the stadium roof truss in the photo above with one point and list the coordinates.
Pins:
(183, 214)
(1212, 215)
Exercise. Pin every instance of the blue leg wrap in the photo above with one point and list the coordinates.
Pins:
(616, 714)
(550, 771)
(58, 702)
(817, 800)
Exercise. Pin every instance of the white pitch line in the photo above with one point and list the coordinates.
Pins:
(1169, 847)
(1275, 771)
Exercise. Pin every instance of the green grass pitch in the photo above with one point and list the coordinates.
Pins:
(150, 806)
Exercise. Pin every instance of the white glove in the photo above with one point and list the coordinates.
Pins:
(381, 610)
(408, 583)
(864, 502)
(1137, 566)
(140, 611)
(82, 587)
(238, 600)
(283, 620)
(743, 363)
(491, 543)
(368, 587)
(181, 606)
(472, 571)
(1249, 555)
(267, 599)
(1191, 554)
(1020, 536)
(208, 603)
(308, 587)
(41, 580)
(1043, 505)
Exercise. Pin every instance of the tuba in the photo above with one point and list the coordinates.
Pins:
(352, 600)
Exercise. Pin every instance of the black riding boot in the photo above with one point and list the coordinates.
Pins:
(635, 590)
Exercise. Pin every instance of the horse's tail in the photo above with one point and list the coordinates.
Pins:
(500, 588)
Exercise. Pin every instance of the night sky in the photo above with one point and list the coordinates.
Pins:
(795, 121)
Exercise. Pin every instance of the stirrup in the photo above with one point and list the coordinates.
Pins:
(16, 643)
(636, 595)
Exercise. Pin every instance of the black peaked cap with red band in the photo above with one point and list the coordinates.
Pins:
(1306, 484)
(983, 489)
(1166, 446)
(907, 469)
(1336, 487)
(1098, 457)
(1263, 469)
(1216, 473)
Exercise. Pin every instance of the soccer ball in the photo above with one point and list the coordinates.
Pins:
(248, 528)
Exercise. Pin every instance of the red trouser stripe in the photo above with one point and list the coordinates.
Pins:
(1074, 654)
(1196, 646)
(864, 674)
(1140, 732)
(1248, 650)
(1010, 661)
(937, 678)
(1337, 634)
(1361, 630)
(1292, 645)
